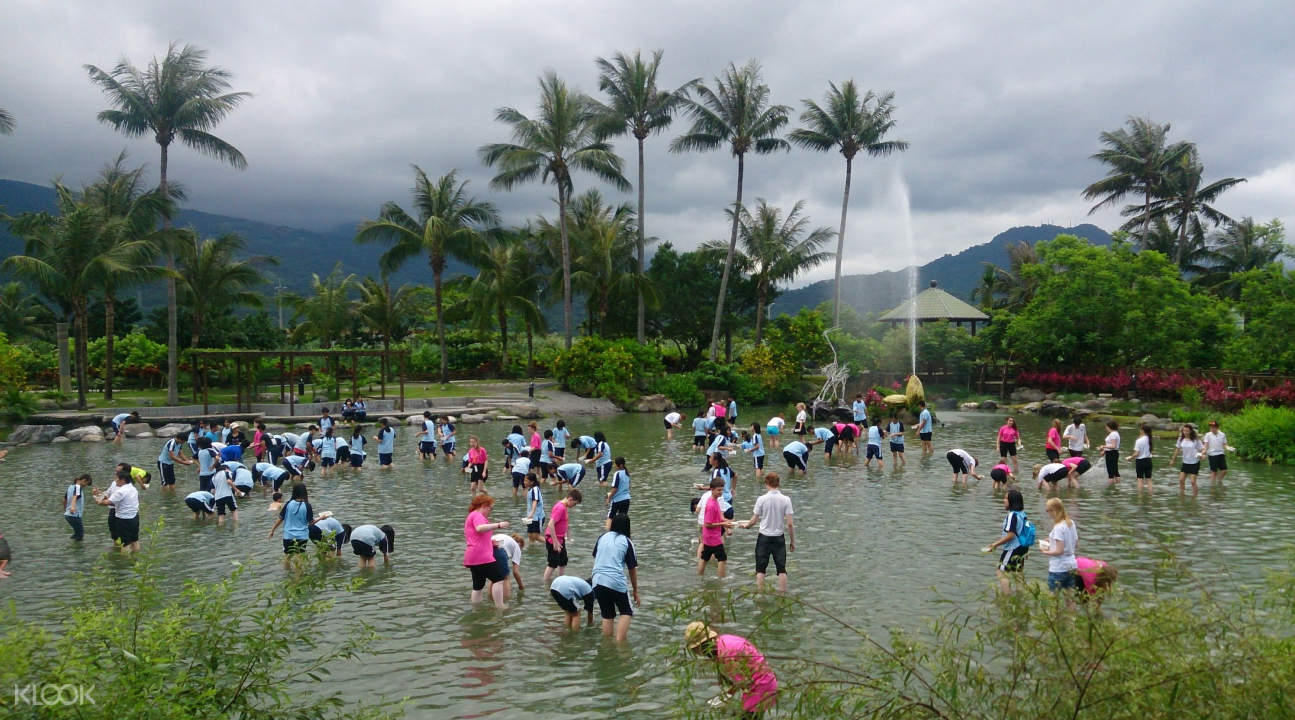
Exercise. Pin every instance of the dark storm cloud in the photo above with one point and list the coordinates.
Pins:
(1002, 102)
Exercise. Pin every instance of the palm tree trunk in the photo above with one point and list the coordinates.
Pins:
(1182, 240)
(760, 293)
(172, 321)
(728, 263)
(109, 313)
(195, 321)
(1146, 214)
(440, 326)
(840, 250)
(82, 356)
(566, 261)
(64, 372)
(642, 337)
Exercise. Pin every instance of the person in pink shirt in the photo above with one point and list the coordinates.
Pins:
(474, 462)
(1078, 466)
(555, 534)
(719, 409)
(1007, 438)
(847, 435)
(712, 531)
(1095, 577)
(741, 666)
(1052, 446)
(536, 442)
(1002, 476)
(479, 557)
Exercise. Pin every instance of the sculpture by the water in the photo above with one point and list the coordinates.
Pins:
(833, 390)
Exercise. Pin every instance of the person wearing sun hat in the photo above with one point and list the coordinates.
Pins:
(741, 666)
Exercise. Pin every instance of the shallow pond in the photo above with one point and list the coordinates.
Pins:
(877, 546)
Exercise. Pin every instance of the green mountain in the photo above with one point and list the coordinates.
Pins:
(958, 274)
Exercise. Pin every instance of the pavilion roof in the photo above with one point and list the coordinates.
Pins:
(935, 304)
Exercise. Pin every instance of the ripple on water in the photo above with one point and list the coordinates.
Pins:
(876, 546)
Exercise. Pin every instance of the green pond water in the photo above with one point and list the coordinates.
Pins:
(879, 547)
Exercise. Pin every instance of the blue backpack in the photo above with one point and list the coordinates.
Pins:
(1026, 536)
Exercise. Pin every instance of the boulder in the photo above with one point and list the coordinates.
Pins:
(472, 419)
(507, 417)
(946, 403)
(1027, 395)
(35, 433)
(896, 400)
(145, 434)
(92, 438)
(1031, 407)
(969, 406)
(654, 404)
(1093, 404)
(171, 430)
(1105, 396)
(392, 421)
(61, 439)
(135, 429)
(1149, 419)
(46, 404)
(989, 405)
(530, 411)
(1051, 408)
(80, 432)
(415, 421)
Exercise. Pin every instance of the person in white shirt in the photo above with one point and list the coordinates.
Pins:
(1190, 446)
(773, 512)
(1216, 446)
(510, 547)
(672, 420)
(1076, 437)
(1062, 543)
(802, 418)
(1141, 457)
(1111, 451)
(963, 463)
(124, 523)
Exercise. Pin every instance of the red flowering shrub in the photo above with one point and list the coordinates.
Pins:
(1157, 384)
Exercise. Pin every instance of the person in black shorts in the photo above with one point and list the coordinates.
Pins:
(567, 590)
(1012, 560)
(712, 535)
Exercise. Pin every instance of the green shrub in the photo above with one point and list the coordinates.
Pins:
(16, 405)
(13, 374)
(713, 375)
(1187, 415)
(1260, 432)
(680, 388)
(217, 648)
(615, 369)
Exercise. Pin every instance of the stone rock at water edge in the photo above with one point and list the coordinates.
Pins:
(35, 433)
(80, 433)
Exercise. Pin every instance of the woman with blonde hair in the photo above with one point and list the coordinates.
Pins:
(1062, 543)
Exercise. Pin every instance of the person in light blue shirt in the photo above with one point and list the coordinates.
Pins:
(446, 431)
(207, 458)
(570, 592)
(166, 460)
(325, 421)
(327, 453)
(618, 498)
(895, 430)
(222, 489)
(534, 508)
(560, 437)
(585, 444)
(427, 441)
(547, 447)
(699, 427)
(601, 456)
(268, 474)
(732, 412)
(369, 540)
(614, 564)
(295, 517)
(754, 444)
(924, 424)
(243, 481)
(796, 453)
(202, 503)
(572, 473)
(330, 531)
(119, 424)
(386, 440)
(859, 409)
(74, 505)
(357, 446)
(828, 438)
(296, 465)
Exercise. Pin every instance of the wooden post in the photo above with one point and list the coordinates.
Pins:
(282, 369)
(292, 386)
(194, 368)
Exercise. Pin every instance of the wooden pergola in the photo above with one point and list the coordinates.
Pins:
(245, 381)
(934, 305)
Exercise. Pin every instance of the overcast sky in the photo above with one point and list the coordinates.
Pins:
(1002, 102)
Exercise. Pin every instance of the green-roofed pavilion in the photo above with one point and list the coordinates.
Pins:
(934, 304)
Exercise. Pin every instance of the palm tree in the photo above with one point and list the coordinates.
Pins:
(603, 238)
(180, 97)
(447, 224)
(504, 283)
(68, 256)
(6, 122)
(1008, 288)
(1237, 247)
(326, 313)
(22, 314)
(850, 124)
(736, 112)
(1184, 202)
(1137, 161)
(214, 280)
(564, 137)
(132, 214)
(385, 312)
(775, 250)
(638, 107)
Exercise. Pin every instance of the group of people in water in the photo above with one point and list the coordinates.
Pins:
(233, 460)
